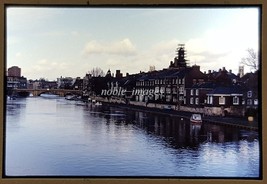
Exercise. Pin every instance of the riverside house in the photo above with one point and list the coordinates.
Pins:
(182, 87)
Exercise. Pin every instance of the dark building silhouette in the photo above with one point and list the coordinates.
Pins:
(179, 60)
(14, 71)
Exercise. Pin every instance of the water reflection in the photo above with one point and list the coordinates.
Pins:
(180, 132)
(67, 138)
(177, 133)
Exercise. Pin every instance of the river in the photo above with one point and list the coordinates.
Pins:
(56, 137)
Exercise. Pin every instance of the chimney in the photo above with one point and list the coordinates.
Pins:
(196, 67)
(230, 71)
(118, 74)
(209, 71)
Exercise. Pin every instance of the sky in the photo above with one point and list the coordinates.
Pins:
(50, 42)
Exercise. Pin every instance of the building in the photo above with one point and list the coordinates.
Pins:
(225, 101)
(181, 87)
(251, 93)
(65, 82)
(179, 61)
(14, 80)
(78, 84)
(241, 71)
(14, 71)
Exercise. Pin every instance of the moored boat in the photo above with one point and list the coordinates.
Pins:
(98, 103)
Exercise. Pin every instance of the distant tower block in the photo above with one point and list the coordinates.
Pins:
(14, 71)
(241, 71)
(152, 68)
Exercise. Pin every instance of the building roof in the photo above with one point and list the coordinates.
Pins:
(205, 85)
(227, 90)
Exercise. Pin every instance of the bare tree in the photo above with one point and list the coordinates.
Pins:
(97, 72)
(251, 60)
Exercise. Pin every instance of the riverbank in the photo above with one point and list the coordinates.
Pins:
(226, 121)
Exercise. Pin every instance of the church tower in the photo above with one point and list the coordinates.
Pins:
(179, 60)
(241, 71)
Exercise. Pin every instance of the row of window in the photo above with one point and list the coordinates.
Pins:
(196, 92)
(222, 100)
(192, 101)
(160, 81)
(252, 102)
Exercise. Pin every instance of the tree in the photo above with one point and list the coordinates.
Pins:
(97, 72)
(251, 60)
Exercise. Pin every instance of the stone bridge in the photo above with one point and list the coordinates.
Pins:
(60, 92)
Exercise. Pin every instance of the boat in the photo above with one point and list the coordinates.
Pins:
(70, 97)
(196, 118)
(98, 103)
(11, 97)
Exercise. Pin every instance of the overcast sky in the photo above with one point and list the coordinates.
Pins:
(68, 42)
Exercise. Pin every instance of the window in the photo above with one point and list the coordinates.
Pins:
(192, 92)
(255, 101)
(191, 100)
(197, 92)
(196, 101)
(184, 101)
(249, 102)
(181, 90)
(249, 94)
(235, 100)
(221, 100)
(211, 100)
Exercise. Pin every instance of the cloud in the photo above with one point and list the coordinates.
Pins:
(18, 54)
(48, 69)
(123, 47)
(158, 55)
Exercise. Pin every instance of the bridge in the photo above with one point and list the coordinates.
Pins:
(38, 92)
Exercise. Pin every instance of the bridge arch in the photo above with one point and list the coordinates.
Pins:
(48, 92)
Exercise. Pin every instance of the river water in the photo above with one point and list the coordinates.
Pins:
(55, 137)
